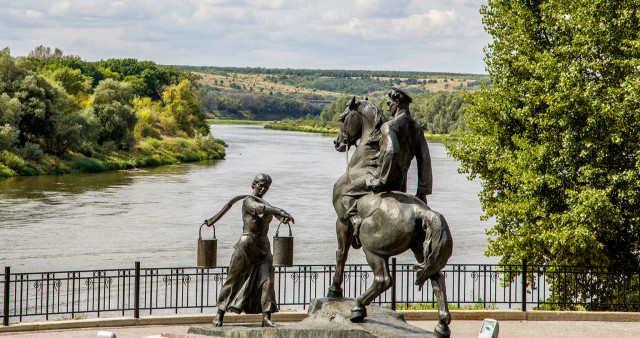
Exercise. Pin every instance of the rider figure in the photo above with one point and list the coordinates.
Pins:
(402, 139)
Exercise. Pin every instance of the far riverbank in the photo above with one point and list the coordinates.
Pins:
(302, 127)
(148, 152)
(334, 131)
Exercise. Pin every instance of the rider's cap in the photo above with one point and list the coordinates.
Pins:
(403, 92)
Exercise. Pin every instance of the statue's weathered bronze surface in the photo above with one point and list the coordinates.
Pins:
(371, 196)
(399, 141)
(249, 286)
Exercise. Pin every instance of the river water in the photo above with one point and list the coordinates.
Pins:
(112, 219)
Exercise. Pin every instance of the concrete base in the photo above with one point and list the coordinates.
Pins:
(327, 317)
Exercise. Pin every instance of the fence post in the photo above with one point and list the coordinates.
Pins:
(524, 284)
(136, 300)
(393, 286)
(7, 288)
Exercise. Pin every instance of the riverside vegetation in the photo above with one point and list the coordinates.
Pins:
(440, 114)
(312, 100)
(556, 143)
(60, 114)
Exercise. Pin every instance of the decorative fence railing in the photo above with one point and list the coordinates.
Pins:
(145, 291)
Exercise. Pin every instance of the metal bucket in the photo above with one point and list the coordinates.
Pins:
(207, 250)
(283, 249)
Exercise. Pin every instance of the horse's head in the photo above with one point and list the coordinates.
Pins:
(350, 126)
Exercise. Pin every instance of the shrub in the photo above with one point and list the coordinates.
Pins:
(6, 171)
(149, 131)
(12, 160)
(153, 142)
(109, 147)
(206, 142)
(30, 151)
(86, 164)
(180, 142)
(8, 136)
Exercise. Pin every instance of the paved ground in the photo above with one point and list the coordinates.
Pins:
(460, 328)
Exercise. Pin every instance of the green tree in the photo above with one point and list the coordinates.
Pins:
(112, 106)
(183, 105)
(440, 112)
(332, 112)
(76, 131)
(10, 115)
(556, 139)
(42, 52)
(72, 80)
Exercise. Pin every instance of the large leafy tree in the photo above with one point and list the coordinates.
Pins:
(439, 113)
(556, 138)
(183, 105)
(112, 105)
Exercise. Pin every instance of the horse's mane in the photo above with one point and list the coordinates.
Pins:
(379, 117)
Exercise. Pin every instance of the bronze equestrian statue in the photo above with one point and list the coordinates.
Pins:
(401, 139)
(391, 221)
(250, 281)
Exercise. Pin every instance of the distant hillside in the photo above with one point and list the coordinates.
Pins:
(328, 83)
(275, 94)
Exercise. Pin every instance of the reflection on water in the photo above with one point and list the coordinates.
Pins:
(110, 220)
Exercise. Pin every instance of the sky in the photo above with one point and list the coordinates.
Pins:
(406, 35)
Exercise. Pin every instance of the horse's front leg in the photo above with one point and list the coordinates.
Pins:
(440, 291)
(382, 281)
(344, 232)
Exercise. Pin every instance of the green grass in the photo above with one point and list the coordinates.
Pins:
(219, 121)
(558, 307)
(303, 128)
(440, 137)
(75, 317)
(326, 130)
(88, 165)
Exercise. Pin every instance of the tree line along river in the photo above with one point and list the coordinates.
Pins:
(112, 219)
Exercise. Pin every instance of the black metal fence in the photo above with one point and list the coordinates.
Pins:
(145, 291)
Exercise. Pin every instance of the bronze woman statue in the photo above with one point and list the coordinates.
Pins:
(250, 281)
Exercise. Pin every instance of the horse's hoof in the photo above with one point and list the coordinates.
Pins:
(334, 292)
(442, 331)
(358, 314)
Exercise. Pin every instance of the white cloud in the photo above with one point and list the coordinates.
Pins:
(268, 33)
(381, 8)
(33, 14)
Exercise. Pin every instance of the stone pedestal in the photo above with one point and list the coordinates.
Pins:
(327, 317)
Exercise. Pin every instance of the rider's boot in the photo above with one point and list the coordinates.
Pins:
(356, 221)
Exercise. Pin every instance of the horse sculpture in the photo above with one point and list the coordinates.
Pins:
(392, 221)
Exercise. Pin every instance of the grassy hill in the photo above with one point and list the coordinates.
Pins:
(312, 99)
(265, 83)
(330, 83)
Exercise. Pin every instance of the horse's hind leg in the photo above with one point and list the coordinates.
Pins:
(345, 236)
(440, 291)
(381, 282)
(417, 244)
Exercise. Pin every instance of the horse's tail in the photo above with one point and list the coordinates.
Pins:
(438, 245)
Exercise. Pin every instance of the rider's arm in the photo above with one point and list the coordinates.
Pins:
(423, 160)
